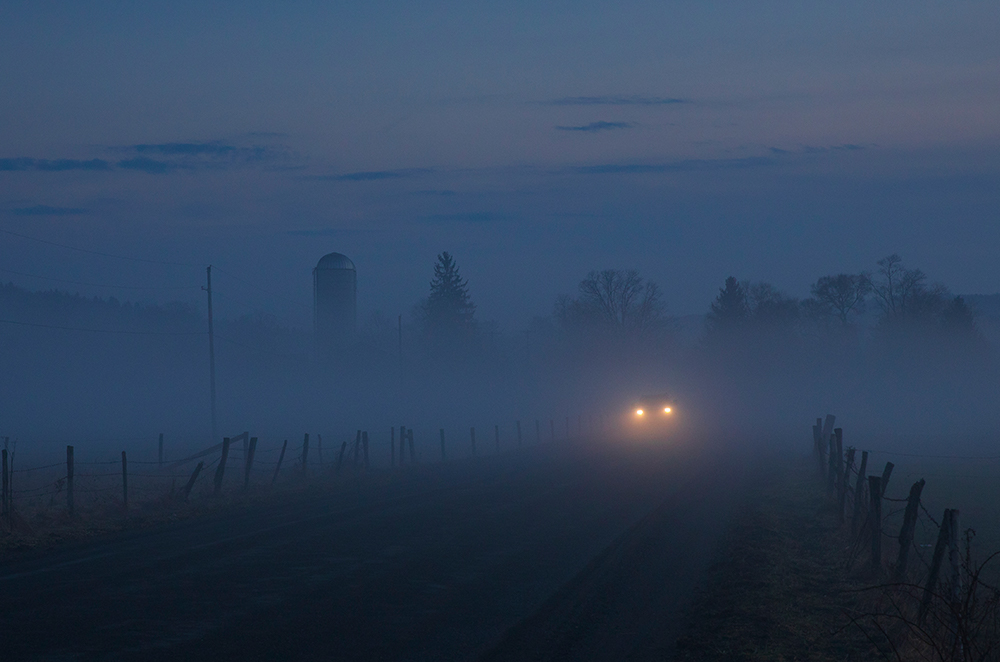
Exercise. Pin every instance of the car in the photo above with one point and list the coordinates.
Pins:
(652, 413)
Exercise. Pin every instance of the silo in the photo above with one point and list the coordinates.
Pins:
(335, 301)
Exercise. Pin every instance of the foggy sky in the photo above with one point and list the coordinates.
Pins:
(772, 140)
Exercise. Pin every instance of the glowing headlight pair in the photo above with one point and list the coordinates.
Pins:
(640, 412)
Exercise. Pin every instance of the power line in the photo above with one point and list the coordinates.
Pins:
(105, 285)
(122, 331)
(85, 250)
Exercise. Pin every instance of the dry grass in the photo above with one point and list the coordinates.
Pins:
(779, 590)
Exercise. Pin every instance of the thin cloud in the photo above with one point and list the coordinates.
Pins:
(687, 165)
(52, 165)
(468, 217)
(594, 127)
(613, 100)
(46, 210)
(186, 149)
(368, 175)
(147, 165)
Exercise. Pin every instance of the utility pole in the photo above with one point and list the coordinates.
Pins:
(211, 350)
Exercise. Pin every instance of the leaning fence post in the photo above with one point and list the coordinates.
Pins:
(907, 529)
(194, 477)
(305, 452)
(250, 455)
(472, 436)
(160, 453)
(221, 469)
(935, 569)
(69, 480)
(519, 434)
(886, 472)
(844, 478)
(364, 447)
(875, 516)
(496, 434)
(442, 444)
(281, 457)
(124, 481)
(859, 492)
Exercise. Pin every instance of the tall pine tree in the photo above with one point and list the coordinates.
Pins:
(448, 311)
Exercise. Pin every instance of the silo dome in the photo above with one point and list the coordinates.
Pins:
(334, 301)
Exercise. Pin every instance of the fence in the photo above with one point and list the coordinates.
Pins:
(61, 489)
(940, 608)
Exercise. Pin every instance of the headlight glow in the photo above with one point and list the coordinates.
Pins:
(667, 410)
(639, 412)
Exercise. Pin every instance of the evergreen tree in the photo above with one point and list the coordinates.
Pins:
(449, 310)
(731, 308)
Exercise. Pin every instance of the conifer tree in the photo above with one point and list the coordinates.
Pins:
(449, 310)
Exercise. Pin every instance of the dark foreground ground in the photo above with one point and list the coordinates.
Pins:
(559, 552)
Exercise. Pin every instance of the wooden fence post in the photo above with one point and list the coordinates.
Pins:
(472, 436)
(838, 434)
(519, 434)
(69, 480)
(496, 435)
(281, 458)
(831, 485)
(875, 518)
(954, 564)
(886, 472)
(249, 464)
(194, 477)
(907, 529)
(364, 447)
(392, 445)
(160, 453)
(859, 492)
(442, 444)
(124, 481)
(221, 469)
(340, 458)
(828, 426)
(844, 479)
(935, 569)
(305, 453)
(409, 439)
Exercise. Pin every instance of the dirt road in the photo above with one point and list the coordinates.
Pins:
(437, 563)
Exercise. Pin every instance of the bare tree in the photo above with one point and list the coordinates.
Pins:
(904, 293)
(614, 298)
(842, 294)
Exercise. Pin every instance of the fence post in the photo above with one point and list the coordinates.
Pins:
(305, 453)
(955, 566)
(249, 465)
(392, 445)
(519, 434)
(69, 480)
(907, 529)
(409, 438)
(838, 434)
(442, 444)
(859, 492)
(194, 477)
(160, 453)
(364, 447)
(886, 472)
(281, 457)
(124, 481)
(935, 569)
(875, 519)
(844, 478)
(496, 435)
(472, 436)
(221, 469)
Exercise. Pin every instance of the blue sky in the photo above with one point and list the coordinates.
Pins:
(693, 140)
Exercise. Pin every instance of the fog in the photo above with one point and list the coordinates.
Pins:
(912, 370)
